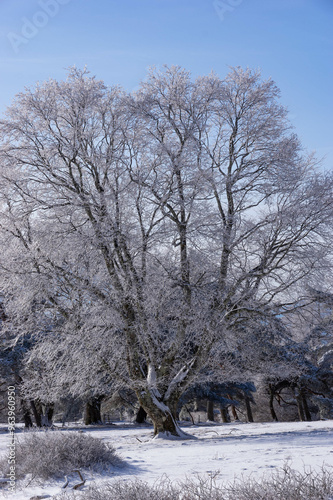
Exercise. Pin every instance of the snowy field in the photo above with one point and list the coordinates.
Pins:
(225, 450)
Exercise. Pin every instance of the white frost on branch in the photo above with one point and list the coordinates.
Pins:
(152, 381)
(178, 378)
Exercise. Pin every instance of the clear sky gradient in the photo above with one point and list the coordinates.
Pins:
(290, 40)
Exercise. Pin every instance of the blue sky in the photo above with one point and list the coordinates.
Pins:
(290, 40)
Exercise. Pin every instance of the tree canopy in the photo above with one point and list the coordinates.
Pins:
(141, 230)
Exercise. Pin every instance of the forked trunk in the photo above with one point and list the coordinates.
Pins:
(164, 424)
(161, 415)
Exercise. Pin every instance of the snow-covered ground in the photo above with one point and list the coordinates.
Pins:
(228, 450)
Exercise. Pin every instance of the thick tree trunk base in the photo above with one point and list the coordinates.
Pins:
(165, 425)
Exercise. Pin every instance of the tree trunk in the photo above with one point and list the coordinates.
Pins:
(234, 413)
(210, 410)
(37, 411)
(160, 414)
(300, 407)
(248, 409)
(306, 407)
(92, 414)
(191, 416)
(26, 415)
(233, 410)
(47, 415)
(225, 415)
(27, 419)
(141, 416)
(271, 402)
(173, 404)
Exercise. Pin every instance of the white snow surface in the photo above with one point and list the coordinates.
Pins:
(228, 450)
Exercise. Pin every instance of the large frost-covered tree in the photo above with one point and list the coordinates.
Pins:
(156, 222)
